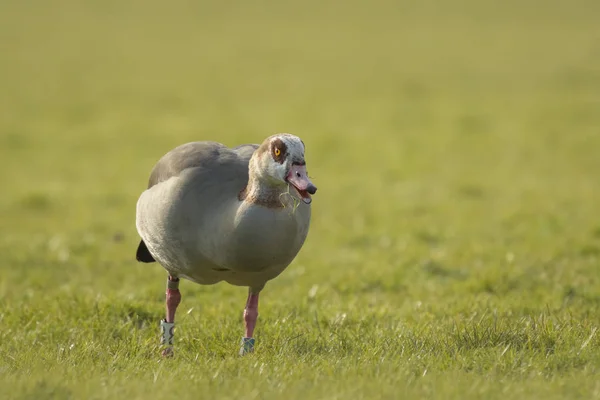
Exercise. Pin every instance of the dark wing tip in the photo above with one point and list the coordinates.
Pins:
(143, 254)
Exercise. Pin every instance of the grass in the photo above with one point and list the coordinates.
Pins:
(455, 242)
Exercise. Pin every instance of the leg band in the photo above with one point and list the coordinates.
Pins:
(247, 346)
(173, 284)
(166, 329)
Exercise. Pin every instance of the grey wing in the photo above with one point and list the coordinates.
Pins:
(189, 155)
(245, 151)
(199, 154)
(213, 163)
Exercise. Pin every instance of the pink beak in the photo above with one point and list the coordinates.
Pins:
(298, 178)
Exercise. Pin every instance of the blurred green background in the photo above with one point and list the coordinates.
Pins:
(455, 241)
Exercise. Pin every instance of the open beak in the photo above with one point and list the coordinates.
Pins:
(298, 178)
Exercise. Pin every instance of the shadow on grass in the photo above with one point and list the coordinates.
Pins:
(45, 391)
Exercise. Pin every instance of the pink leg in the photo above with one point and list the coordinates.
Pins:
(173, 299)
(250, 316)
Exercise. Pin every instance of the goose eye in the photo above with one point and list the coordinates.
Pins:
(277, 152)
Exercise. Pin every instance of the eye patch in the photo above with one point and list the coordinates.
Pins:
(278, 150)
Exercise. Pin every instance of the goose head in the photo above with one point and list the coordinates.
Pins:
(279, 162)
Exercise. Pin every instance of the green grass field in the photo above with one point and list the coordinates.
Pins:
(454, 250)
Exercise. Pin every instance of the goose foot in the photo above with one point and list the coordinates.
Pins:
(168, 352)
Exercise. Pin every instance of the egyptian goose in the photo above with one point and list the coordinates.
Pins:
(213, 213)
